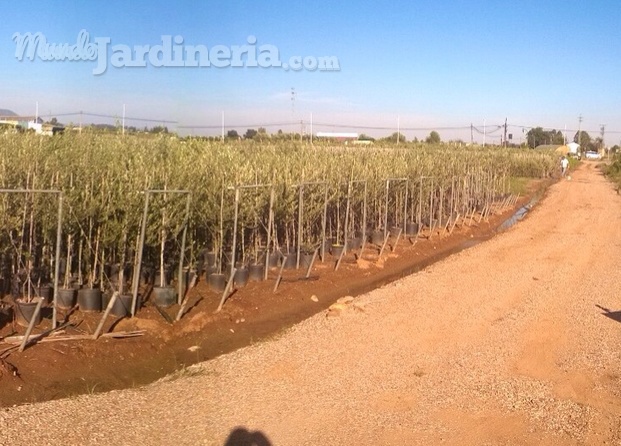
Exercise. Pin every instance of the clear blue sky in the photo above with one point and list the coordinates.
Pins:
(422, 63)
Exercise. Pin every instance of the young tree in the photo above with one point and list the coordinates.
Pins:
(586, 143)
(433, 138)
(250, 133)
(393, 137)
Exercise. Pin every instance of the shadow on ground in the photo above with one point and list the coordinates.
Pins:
(240, 436)
(614, 315)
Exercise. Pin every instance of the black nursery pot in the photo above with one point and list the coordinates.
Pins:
(377, 238)
(354, 243)
(394, 231)
(337, 250)
(44, 291)
(66, 298)
(24, 311)
(241, 276)
(273, 259)
(122, 306)
(411, 228)
(217, 282)
(307, 258)
(256, 272)
(89, 300)
(164, 296)
(292, 260)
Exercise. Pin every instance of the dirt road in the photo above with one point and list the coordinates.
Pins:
(514, 341)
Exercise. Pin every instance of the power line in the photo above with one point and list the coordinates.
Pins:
(101, 115)
(489, 129)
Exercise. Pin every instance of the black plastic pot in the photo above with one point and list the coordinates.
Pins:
(377, 238)
(354, 243)
(241, 276)
(274, 259)
(307, 258)
(24, 311)
(122, 306)
(164, 296)
(44, 291)
(89, 299)
(292, 260)
(394, 231)
(66, 298)
(411, 228)
(256, 272)
(327, 246)
(217, 282)
(337, 250)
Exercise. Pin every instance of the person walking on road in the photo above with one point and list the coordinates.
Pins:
(564, 166)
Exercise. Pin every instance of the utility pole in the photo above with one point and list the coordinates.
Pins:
(222, 125)
(602, 132)
(293, 112)
(565, 136)
(505, 133)
(580, 133)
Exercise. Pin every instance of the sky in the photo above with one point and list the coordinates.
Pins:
(407, 65)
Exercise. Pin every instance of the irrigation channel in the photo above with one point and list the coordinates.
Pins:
(258, 310)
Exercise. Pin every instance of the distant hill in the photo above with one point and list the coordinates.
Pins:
(5, 112)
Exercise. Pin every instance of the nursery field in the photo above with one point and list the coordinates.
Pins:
(212, 246)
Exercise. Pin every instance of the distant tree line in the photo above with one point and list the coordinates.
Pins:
(537, 136)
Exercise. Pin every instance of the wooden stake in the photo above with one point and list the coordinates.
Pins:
(282, 267)
(338, 262)
(228, 286)
(382, 248)
(31, 325)
(397, 239)
(113, 299)
(310, 267)
(115, 335)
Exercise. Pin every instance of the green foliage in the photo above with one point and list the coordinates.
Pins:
(103, 177)
(586, 142)
(538, 136)
(433, 138)
(613, 170)
(394, 136)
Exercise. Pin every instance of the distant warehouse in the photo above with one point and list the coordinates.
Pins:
(345, 137)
